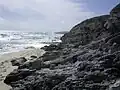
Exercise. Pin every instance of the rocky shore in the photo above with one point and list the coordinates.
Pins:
(16, 58)
(88, 58)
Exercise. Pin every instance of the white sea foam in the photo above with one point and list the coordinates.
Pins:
(11, 41)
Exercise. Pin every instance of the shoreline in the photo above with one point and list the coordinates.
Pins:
(6, 66)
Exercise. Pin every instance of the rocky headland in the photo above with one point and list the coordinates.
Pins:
(88, 58)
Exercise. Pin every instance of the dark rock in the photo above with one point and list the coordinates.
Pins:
(115, 86)
(115, 11)
(117, 65)
(96, 77)
(17, 75)
(115, 39)
(50, 55)
(107, 63)
(82, 66)
(18, 61)
(112, 73)
(33, 57)
(113, 23)
(52, 47)
(86, 31)
(108, 56)
(77, 85)
(52, 66)
(36, 64)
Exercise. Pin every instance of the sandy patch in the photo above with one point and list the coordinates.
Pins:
(6, 66)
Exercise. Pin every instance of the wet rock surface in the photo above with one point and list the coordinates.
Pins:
(87, 59)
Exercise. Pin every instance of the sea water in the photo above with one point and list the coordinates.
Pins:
(12, 41)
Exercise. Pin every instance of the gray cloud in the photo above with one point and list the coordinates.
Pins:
(41, 15)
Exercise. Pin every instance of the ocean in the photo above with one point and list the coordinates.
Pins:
(11, 41)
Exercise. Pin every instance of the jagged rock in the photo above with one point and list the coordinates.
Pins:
(52, 47)
(115, 39)
(82, 66)
(112, 72)
(50, 55)
(86, 31)
(107, 63)
(96, 77)
(17, 75)
(115, 12)
(115, 86)
(113, 23)
(36, 64)
(77, 85)
(18, 61)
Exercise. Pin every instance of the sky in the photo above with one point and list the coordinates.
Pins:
(49, 15)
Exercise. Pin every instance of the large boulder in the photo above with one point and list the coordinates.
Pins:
(17, 75)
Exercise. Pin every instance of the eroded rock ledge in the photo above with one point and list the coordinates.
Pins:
(87, 59)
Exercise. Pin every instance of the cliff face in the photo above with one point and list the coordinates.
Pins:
(87, 59)
(87, 31)
(115, 11)
(94, 29)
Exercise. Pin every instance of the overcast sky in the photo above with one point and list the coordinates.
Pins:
(49, 15)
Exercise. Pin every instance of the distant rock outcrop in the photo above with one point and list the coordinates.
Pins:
(88, 58)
